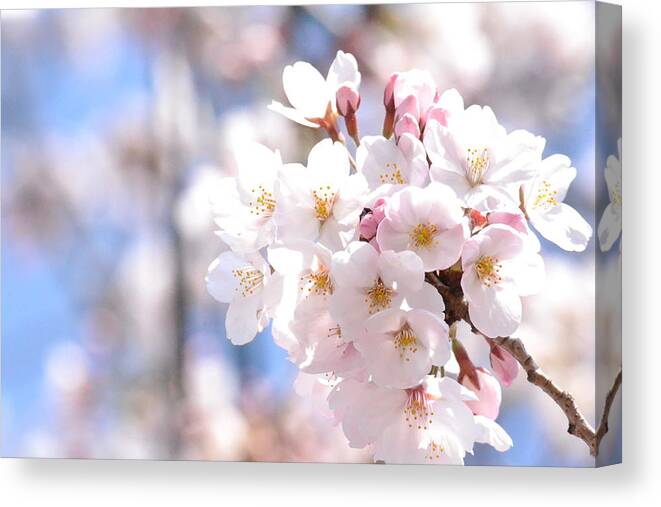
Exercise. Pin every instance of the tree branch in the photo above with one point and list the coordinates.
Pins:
(610, 397)
(578, 424)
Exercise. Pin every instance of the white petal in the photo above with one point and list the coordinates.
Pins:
(427, 298)
(344, 69)
(610, 227)
(564, 226)
(292, 114)
(221, 282)
(401, 269)
(306, 89)
(242, 321)
(496, 310)
(490, 432)
(356, 266)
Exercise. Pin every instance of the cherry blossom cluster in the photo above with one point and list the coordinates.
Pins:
(349, 255)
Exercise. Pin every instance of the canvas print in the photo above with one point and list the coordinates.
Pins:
(342, 233)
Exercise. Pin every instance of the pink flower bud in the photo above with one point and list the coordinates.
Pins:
(370, 222)
(489, 394)
(389, 92)
(348, 99)
(407, 124)
(504, 366)
(409, 105)
(439, 114)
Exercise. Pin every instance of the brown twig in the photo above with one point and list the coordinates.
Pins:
(578, 424)
(602, 429)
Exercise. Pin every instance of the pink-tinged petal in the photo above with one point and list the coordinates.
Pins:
(347, 99)
(389, 238)
(389, 366)
(500, 241)
(349, 308)
(407, 124)
(437, 114)
(401, 269)
(417, 83)
(564, 226)
(432, 331)
(489, 394)
(503, 364)
(451, 102)
(445, 173)
(364, 409)
(356, 266)
(426, 298)
(389, 92)
(445, 250)
(409, 106)
(496, 310)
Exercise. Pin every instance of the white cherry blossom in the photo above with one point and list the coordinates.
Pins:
(368, 282)
(498, 270)
(427, 424)
(243, 206)
(610, 225)
(385, 162)
(321, 201)
(245, 282)
(311, 95)
(478, 159)
(400, 346)
(429, 222)
(556, 221)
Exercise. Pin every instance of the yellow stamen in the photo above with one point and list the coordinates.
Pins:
(264, 203)
(392, 174)
(488, 269)
(417, 411)
(323, 202)
(406, 343)
(379, 297)
(249, 278)
(318, 282)
(477, 163)
(422, 236)
(545, 196)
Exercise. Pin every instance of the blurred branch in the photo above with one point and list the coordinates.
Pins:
(578, 424)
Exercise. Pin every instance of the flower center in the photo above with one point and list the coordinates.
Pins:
(477, 163)
(392, 174)
(264, 203)
(250, 279)
(323, 202)
(406, 343)
(318, 282)
(545, 196)
(422, 236)
(379, 297)
(488, 269)
(417, 411)
(434, 451)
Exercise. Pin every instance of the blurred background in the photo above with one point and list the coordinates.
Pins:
(117, 125)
